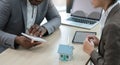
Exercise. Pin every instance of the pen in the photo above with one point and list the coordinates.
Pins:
(87, 61)
(91, 42)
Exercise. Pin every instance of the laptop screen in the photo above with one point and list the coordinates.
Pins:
(85, 9)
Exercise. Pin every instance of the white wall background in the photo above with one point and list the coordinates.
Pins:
(60, 5)
(59, 2)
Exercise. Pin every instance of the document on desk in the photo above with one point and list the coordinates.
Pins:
(38, 39)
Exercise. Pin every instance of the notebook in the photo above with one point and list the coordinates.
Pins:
(83, 14)
(80, 36)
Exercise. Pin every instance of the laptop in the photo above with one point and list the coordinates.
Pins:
(83, 14)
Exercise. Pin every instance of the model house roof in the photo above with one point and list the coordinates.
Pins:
(65, 49)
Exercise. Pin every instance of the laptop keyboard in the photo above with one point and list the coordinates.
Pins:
(85, 21)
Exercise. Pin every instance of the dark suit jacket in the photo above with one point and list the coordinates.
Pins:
(109, 47)
(13, 19)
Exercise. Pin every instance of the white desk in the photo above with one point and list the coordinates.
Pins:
(46, 54)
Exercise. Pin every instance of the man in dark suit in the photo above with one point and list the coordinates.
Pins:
(109, 44)
(17, 16)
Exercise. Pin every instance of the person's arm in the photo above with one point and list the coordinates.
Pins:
(6, 39)
(112, 47)
(96, 58)
(53, 18)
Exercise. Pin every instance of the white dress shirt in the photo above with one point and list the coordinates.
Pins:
(104, 16)
(31, 14)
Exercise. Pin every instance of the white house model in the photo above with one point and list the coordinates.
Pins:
(65, 52)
